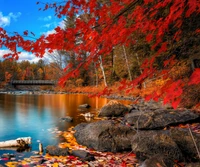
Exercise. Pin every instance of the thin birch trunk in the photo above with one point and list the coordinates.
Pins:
(102, 69)
(96, 75)
(127, 64)
(144, 84)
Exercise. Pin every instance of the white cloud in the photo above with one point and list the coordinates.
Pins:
(28, 56)
(54, 24)
(14, 16)
(47, 18)
(5, 20)
(49, 32)
(47, 25)
(3, 52)
(32, 58)
(22, 56)
(60, 24)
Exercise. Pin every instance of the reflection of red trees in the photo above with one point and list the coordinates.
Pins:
(112, 23)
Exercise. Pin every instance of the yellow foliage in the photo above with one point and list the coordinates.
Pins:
(12, 164)
(71, 141)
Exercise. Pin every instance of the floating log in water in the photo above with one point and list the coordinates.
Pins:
(19, 142)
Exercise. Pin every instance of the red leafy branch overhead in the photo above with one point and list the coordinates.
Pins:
(110, 24)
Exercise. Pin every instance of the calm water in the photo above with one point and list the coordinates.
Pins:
(38, 116)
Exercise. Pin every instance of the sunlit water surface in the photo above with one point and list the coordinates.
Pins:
(38, 116)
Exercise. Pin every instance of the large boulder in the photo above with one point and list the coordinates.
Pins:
(105, 135)
(197, 164)
(147, 144)
(113, 109)
(185, 142)
(158, 161)
(159, 118)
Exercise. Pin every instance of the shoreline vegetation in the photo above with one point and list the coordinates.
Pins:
(190, 99)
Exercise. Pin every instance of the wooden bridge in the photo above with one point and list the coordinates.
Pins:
(32, 82)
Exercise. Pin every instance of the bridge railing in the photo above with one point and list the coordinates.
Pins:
(32, 82)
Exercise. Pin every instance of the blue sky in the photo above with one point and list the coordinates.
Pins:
(21, 15)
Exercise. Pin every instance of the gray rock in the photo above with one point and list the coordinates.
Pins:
(42, 161)
(104, 136)
(159, 118)
(7, 155)
(185, 142)
(67, 119)
(56, 151)
(80, 126)
(158, 160)
(83, 155)
(146, 144)
(197, 164)
(113, 109)
(84, 106)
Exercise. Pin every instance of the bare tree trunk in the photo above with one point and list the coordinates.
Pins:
(96, 75)
(140, 68)
(113, 63)
(127, 64)
(103, 72)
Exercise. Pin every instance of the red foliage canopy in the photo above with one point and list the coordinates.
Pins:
(110, 24)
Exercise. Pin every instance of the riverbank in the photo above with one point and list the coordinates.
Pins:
(63, 155)
(190, 96)
(89, 91)
(102, 158)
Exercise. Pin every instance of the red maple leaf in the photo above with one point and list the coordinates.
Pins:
(26, 32)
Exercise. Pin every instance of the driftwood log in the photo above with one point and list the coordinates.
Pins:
(19, 142)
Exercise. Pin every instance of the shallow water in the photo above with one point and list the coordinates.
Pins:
(38, 116)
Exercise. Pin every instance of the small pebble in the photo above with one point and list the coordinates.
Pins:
(36, 156)
(35, 152)
(12, 159)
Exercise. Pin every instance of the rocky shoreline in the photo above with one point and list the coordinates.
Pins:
(38, 92)
(149, 134)
(152, 136)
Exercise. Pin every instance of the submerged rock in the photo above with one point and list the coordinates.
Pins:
(84, 106)
(67, 119)
(113, 109)
(104, 136)
(159, 118)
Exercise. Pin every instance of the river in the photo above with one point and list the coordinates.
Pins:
(38, 116)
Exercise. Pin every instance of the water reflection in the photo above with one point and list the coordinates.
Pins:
(38, 116)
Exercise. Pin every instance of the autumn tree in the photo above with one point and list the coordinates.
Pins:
(169, 30)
